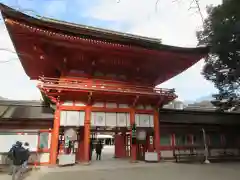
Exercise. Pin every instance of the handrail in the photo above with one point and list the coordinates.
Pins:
(91, 84)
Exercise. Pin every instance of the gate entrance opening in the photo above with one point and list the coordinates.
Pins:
(117, 136)
(115, 143)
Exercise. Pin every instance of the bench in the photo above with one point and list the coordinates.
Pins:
(224, 154)
(188, 154)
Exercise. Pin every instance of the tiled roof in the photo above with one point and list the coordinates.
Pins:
(24, 110)
(94, 33)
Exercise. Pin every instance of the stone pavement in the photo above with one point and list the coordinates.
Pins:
(118, 169)
(140, 171)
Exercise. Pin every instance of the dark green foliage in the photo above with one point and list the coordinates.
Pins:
(221, 31)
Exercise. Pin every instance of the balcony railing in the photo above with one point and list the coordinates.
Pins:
(96, 85)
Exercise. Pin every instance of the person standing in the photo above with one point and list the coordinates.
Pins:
(91, 149)
(26, 146)
(20, 155)
(10, 156)
(99, 150)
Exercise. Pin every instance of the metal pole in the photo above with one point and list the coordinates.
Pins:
(206, 161)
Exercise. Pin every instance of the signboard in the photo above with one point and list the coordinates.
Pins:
(75, 144)
(70, 134)
(144, 120)
(151, 140)
(134, 131)
(67, 142)
(121, 119)
(72, 118)
(98, 119)
(141, 135)
(111, 119)
(151, 121)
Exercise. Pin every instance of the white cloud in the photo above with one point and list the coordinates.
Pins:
(170, 21)
(190, 84)
(55, 7)
(14, 82)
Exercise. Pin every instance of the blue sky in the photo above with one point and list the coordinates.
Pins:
(169, 20)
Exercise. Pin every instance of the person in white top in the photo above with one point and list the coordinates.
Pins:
(26, 146)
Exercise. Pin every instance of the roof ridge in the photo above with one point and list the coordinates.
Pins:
(97, 28)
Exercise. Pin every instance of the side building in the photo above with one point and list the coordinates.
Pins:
(180, 129)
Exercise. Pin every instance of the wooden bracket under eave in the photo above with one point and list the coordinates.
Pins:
(160, 102)
(135, 101)
(90, 98)
(9, 21)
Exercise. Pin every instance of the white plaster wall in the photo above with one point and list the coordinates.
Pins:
(79, 104)
(49, 140)
(140, 106)
(217, 152)
(111, 105)
(34, 157)
(167, 154)
(98, 104)
(44, 157)
(4, 159)
(39, 157)
(123, 106)
(68, 103)
(149, 107)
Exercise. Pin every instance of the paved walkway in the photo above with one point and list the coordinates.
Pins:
(109, 169)
(144, 171)
(140, 171)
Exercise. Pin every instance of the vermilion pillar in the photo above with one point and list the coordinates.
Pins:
(87, 124)
(80, 156)
(120, 146)
(173, 142)
(55, 137)
(133, 146)
(157, 132)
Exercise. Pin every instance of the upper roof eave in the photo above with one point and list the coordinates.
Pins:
(76, 29)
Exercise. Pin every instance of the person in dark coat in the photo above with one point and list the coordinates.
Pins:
(10, 155)
(99, 150)
(20, 155)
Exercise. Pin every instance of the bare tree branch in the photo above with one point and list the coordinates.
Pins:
(156, 5)
(199, 9)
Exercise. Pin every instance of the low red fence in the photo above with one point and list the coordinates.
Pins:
(86, 84)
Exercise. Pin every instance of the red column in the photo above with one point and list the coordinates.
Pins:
(115, 145)
(133, 146)
(124, 144)
(120, 146)
(173, 142)
(157, 132)
(80, 155)
(55, 136)
(87, 133)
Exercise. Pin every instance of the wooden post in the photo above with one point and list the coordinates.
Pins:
(55, 137)
(157, 132)
(173, 140)
(87, 124)
(80, 156)
(133, 146)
